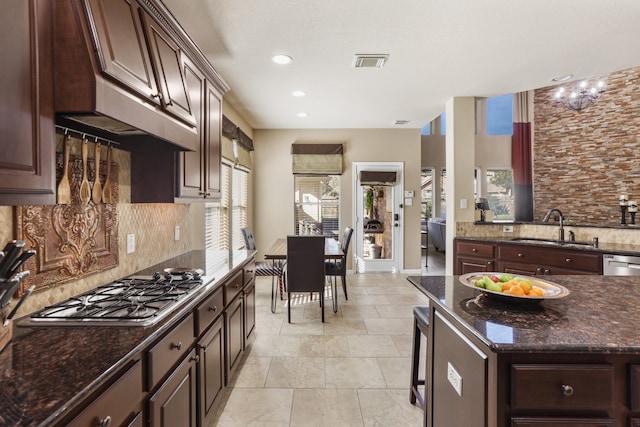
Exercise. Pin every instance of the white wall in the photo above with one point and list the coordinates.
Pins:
(273, 179)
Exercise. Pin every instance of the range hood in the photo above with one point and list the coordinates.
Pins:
(97, 91)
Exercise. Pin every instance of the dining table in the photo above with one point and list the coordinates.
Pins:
(277, 253)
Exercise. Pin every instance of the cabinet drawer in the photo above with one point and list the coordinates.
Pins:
(207, 312)
(574, 260)
(249, 272)
(166, 353)
(485, 250)
(118, 403)
(562, 387)
(562, 422)
(232, 287)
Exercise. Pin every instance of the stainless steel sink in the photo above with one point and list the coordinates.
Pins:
(551, 242)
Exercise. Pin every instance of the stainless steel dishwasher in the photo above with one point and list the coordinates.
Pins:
(620, 265)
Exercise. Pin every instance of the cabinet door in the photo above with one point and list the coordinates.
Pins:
(166, 57)
(190, 183)
(174, 404)
(234, 335)
(213, 135)
(470, 265)
(249, 310)
(211, 368)
(123, 53)
(27, 145)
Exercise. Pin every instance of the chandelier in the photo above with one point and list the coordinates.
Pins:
(581, 97)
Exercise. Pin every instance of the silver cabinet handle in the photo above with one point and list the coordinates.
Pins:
(213, 308)
(567, 390)
(105, 422)
(177, 346)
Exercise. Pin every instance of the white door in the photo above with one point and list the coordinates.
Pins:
(378, 218)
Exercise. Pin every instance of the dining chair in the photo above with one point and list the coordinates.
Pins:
(304, 270)
(263, 268)
(335, 268)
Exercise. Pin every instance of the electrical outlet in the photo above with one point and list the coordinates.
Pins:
(454, 379)
(176, 234)
(507, 228)
(131, 243)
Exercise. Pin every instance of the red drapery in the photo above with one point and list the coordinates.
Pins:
(522, 171)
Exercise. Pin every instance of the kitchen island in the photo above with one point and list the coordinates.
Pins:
(573, 361)
(51, 372)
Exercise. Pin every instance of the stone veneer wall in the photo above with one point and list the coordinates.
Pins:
(152, 224)
(583, 160)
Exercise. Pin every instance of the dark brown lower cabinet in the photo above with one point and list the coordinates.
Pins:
(561, 422)
(211, 383)
(234, 315)
(119, 404)
(174, 403)
(249, 310)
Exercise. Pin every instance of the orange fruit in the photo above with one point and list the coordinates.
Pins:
(537, 292)
(515, 290)
(526, 287)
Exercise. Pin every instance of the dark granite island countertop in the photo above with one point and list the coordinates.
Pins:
(600, 314)
(587, 342)
(47, 370)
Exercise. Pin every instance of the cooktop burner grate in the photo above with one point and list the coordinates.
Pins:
(135, 300)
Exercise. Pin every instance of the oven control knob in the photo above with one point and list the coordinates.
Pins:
(156, 276)
(187, 275)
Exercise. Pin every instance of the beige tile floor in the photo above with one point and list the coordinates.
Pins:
(353, 370)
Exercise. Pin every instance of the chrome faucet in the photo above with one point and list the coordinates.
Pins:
(560, 217)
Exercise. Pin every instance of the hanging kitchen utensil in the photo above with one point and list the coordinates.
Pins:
(12, 251)
(24, 256)
(64, 189)
(106, 190)
(96, 192)
(85, 189)
(15, 309)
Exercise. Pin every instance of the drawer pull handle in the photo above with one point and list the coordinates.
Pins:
(214, 308)
(237, 285)
(105, 422)
(474, 250)
(567, 260)
(177, 346)
(567, 390)
(520, 254)
(195, 358)
(489, 262)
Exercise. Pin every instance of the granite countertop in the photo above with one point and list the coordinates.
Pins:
(598, 316)
(46, 370)
(612, 248)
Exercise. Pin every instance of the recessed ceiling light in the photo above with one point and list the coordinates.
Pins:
(562, 78)
(298, 93)
(282, 59)
(303, 115)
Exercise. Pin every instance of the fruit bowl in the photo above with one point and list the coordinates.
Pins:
(552, 290)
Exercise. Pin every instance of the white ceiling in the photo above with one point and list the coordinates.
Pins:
(438, 49)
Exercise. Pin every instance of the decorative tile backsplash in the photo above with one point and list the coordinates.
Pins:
(152, 224)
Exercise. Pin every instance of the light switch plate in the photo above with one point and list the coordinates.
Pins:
(463, 203)
(177, 233)
(454, 379)
(131, 243)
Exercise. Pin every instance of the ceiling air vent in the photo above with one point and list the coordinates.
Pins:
(369, 61)
(401, 122)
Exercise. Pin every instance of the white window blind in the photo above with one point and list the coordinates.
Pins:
(317, 204)
(239, 206)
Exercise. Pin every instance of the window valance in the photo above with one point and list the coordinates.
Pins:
(235, 145)
(316, 158)
(377, 178)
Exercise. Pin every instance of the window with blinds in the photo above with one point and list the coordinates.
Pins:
(224, 220)
(239, 207)
(317, 204)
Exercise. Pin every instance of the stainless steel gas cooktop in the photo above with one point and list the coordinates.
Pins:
(133, 301)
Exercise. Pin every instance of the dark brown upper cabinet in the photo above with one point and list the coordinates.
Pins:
(27, 131)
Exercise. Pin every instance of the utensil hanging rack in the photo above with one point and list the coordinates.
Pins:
(65, 130)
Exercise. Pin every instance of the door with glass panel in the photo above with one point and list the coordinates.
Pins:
(378, 216)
